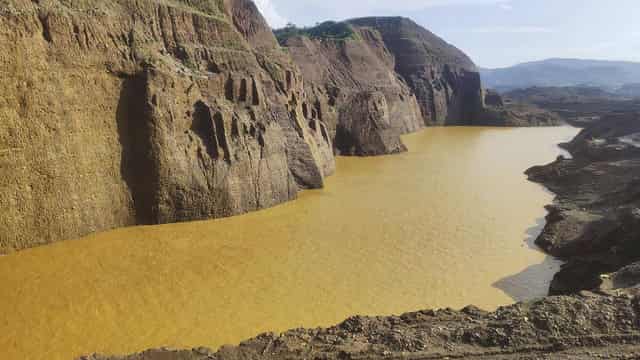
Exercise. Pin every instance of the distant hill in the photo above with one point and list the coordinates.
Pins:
(578, 105)
(564, 94)
(630, 90)
(609, 75)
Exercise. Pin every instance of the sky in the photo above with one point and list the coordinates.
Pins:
(494, 33)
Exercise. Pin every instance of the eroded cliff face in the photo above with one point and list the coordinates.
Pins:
(424, 80)
(445, 81)
(116, 113)
(357, 93)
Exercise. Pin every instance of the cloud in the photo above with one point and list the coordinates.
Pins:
(513, 30)
(443, 3)
(424, 4)
(307, 12)
(351, 8)
(268, 10)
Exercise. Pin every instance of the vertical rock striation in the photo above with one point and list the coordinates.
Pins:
(424, 81)
(126, 112)
(445, 81)
(349, 75)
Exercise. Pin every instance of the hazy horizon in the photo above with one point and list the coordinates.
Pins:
(562, 58)
(494, 33)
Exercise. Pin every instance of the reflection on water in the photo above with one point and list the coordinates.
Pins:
(434, 227)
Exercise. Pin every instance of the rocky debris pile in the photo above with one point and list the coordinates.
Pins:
(493, 98)
(556, 327)
(578, 105)
(627, 278)
(519, 114)
(504, 111)
(542, 95)
(594, 222)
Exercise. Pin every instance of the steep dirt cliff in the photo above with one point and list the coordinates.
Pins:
(445, 81)
(424, 81)
(126, 112)
(350, 73)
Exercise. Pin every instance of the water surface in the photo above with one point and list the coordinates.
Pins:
(446, 225)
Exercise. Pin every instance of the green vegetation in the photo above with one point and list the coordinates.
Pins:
(329, 30)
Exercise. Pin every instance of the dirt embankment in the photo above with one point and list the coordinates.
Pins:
(576, 327)
(578, 105)
(594, 222)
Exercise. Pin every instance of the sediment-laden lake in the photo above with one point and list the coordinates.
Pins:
(449, 223)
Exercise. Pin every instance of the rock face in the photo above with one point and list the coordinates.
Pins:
(127, 112)
(517, 114)
(493, 98)
(445, 81)
(507, 112)
(424, 80)
(355, 88)
(580, 327)
(578, 105)
(365, 127)
(595, 220)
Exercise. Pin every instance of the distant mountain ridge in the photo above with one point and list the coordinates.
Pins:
(565, 94)
(609, 75)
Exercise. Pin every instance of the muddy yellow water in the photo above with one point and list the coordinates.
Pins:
(448, 224)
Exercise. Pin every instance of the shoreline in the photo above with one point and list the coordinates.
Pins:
(607, 326)
(418, 287)
(594, 216)
(591, 321)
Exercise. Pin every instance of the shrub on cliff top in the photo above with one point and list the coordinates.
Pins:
(329, 30)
